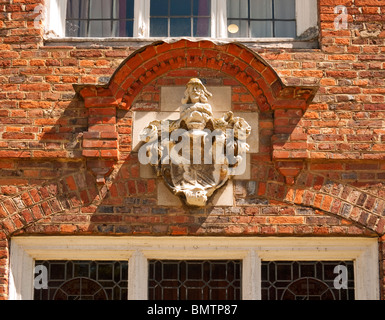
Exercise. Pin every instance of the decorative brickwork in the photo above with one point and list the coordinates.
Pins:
(67, 165)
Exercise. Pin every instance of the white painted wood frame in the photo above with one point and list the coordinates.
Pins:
(306, 16)
(138, 250)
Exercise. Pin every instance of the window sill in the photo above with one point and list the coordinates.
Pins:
(255, 43)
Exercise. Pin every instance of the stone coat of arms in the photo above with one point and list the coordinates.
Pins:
(198, 153)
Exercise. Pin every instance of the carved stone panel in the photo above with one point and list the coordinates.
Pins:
(198, 153)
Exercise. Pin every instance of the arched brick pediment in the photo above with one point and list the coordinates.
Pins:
(236, 61)
(233, 59)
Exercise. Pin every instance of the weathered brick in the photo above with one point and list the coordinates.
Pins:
(337, 140)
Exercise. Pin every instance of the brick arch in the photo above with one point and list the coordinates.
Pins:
(78, 193)
(233, 59)
(319, 192)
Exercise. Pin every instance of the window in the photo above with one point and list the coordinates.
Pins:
(100, 18)
(176, 18)
(242, 19)
(194, 280)
(84, 280)
(305, 280)
(142, 268)
(261, 18)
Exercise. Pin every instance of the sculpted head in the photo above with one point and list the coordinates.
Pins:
(195, 92)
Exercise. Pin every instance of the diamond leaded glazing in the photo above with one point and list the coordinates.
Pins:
(307, 280)
(84, 280)
(195, 280)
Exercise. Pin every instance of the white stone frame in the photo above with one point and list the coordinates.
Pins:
(138, 250)
(306, 16)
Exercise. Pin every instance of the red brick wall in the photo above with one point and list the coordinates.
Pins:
(49, 136)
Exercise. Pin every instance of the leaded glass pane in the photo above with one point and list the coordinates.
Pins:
(201, 27)
(100, 18)
(284, 9)
(261, 9)
(284, 29)
(180, 27)
(261, 18)
(194, 280)
(84, 280)
(159, 27)
(307, 280)
(159, 8)
(175, 18)
(261, 29)
(180, 8)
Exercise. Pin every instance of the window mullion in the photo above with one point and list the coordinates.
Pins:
(273, 16)
(251, 277)
(141, 19)
(138, 277)
(169, 20)
(88, 17)
(219, 18)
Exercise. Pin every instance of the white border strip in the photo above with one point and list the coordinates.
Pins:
(138, 250)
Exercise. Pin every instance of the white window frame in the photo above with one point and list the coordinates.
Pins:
(306, 17)
(138, 250)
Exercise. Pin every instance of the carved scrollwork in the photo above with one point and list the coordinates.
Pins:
(198, 153)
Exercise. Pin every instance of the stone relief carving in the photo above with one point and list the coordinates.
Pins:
(198, 153)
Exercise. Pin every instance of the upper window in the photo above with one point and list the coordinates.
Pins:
(261, 18)
(100, 18)
(176, 18)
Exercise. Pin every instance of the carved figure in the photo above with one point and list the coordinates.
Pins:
(196, 154)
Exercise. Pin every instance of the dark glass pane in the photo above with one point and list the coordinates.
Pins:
(77, 9)
(129, 9)
(261, 9)
(285, 29)
(158, 27)
(237, 9)
(180, 27)
(305, 280)
(75, 28)
(195, 280)
(308, 270)
(99, 18)
(84, 280)
(171, 271)
(202, 27)
(100, 28)
(105, 271)
(283, 271)
(101, 9)
(180, 7)
(202, 7)
(261, 29)
(284, 9)
(195, 271)
(57, 271)
(82, 269)
(159, 8)
(123, 28)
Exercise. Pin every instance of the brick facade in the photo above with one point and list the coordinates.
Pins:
(66, 161)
